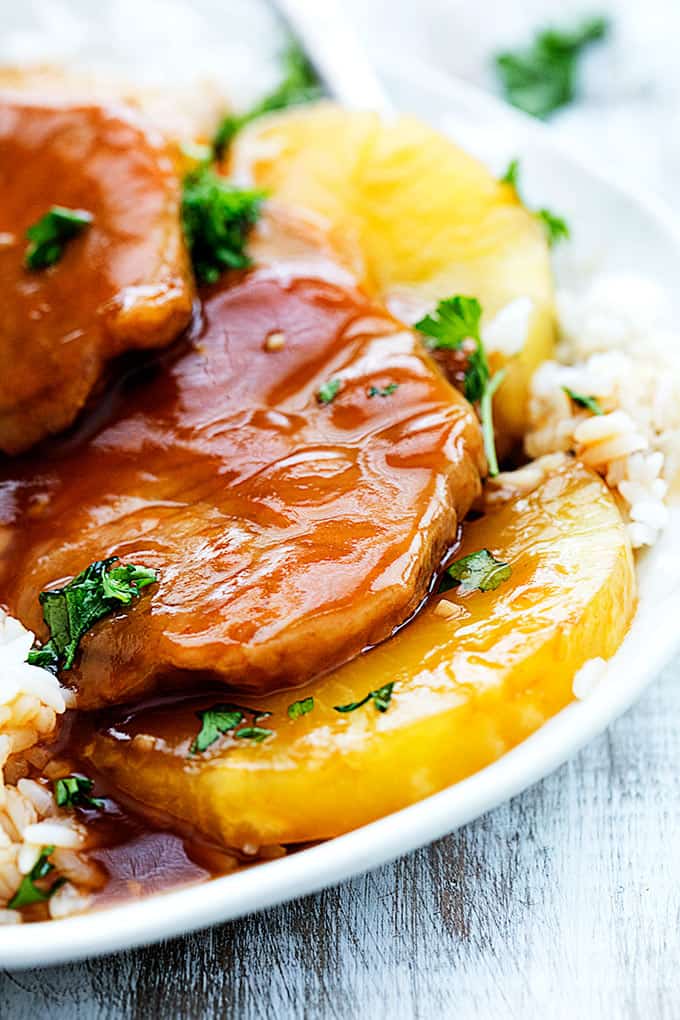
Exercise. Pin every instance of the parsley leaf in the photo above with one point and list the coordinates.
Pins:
(298, 85)
(46, 657)
(71, 611)
(220, 719)
(329, 391)
(217, 218)
(542, 78)
(28, 892)
(591, 403)
(556, 228)
(511, 175)
(479, 571)
(74, 791)
(381, 699)
(125, 583)
(455, 321)
(48, 236)
(256, 733)
(455, 324)
(299, 708)
(384, 391)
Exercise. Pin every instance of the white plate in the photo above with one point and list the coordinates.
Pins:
(640, 235)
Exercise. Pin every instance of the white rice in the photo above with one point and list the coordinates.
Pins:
(588, 677)
(616, 345)
(31, 700)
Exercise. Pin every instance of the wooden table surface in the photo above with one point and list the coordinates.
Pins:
(564, 903)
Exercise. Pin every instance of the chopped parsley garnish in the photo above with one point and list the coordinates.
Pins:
(381, 699)
(301, 707)
(298, 85)
(542, 78)
(591, 403)
(511, 175)
(479, 571)
(125, 583)
(217, 218)
(28, 892)
(486, 416)
(556, 228)
(383, 391)
(221, 719)
(71, 611)
(74, 791)
(48, 236)
(454, 326)
(45, 657)
(456, 321)
(329, 391)
(256, 733)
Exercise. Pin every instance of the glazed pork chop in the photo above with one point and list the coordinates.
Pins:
(294, 471)
(123, 282)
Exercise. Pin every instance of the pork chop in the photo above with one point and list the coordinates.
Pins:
(123, 282)
(294, 471)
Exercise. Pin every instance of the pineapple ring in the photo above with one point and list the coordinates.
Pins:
(422, 221)
(470, 682)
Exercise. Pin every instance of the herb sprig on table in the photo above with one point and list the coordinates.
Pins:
(543, 77)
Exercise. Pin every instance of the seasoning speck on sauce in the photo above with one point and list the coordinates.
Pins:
(275, 341)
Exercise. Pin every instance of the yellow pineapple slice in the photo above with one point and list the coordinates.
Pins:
(423, 219)
(473, 675)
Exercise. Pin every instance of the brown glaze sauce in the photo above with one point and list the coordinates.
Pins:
(123, 283)
(288, 534)
(131, 853)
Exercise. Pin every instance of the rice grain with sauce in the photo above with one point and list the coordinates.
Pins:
(31, 702)
(616, 346)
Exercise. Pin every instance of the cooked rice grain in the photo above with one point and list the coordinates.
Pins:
(617, 346)
(31, 699)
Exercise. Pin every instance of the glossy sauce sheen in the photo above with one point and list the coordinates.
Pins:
(124, 282)
(468, 685)
(287, 534)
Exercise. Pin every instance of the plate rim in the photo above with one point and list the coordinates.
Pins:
(191, 908)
